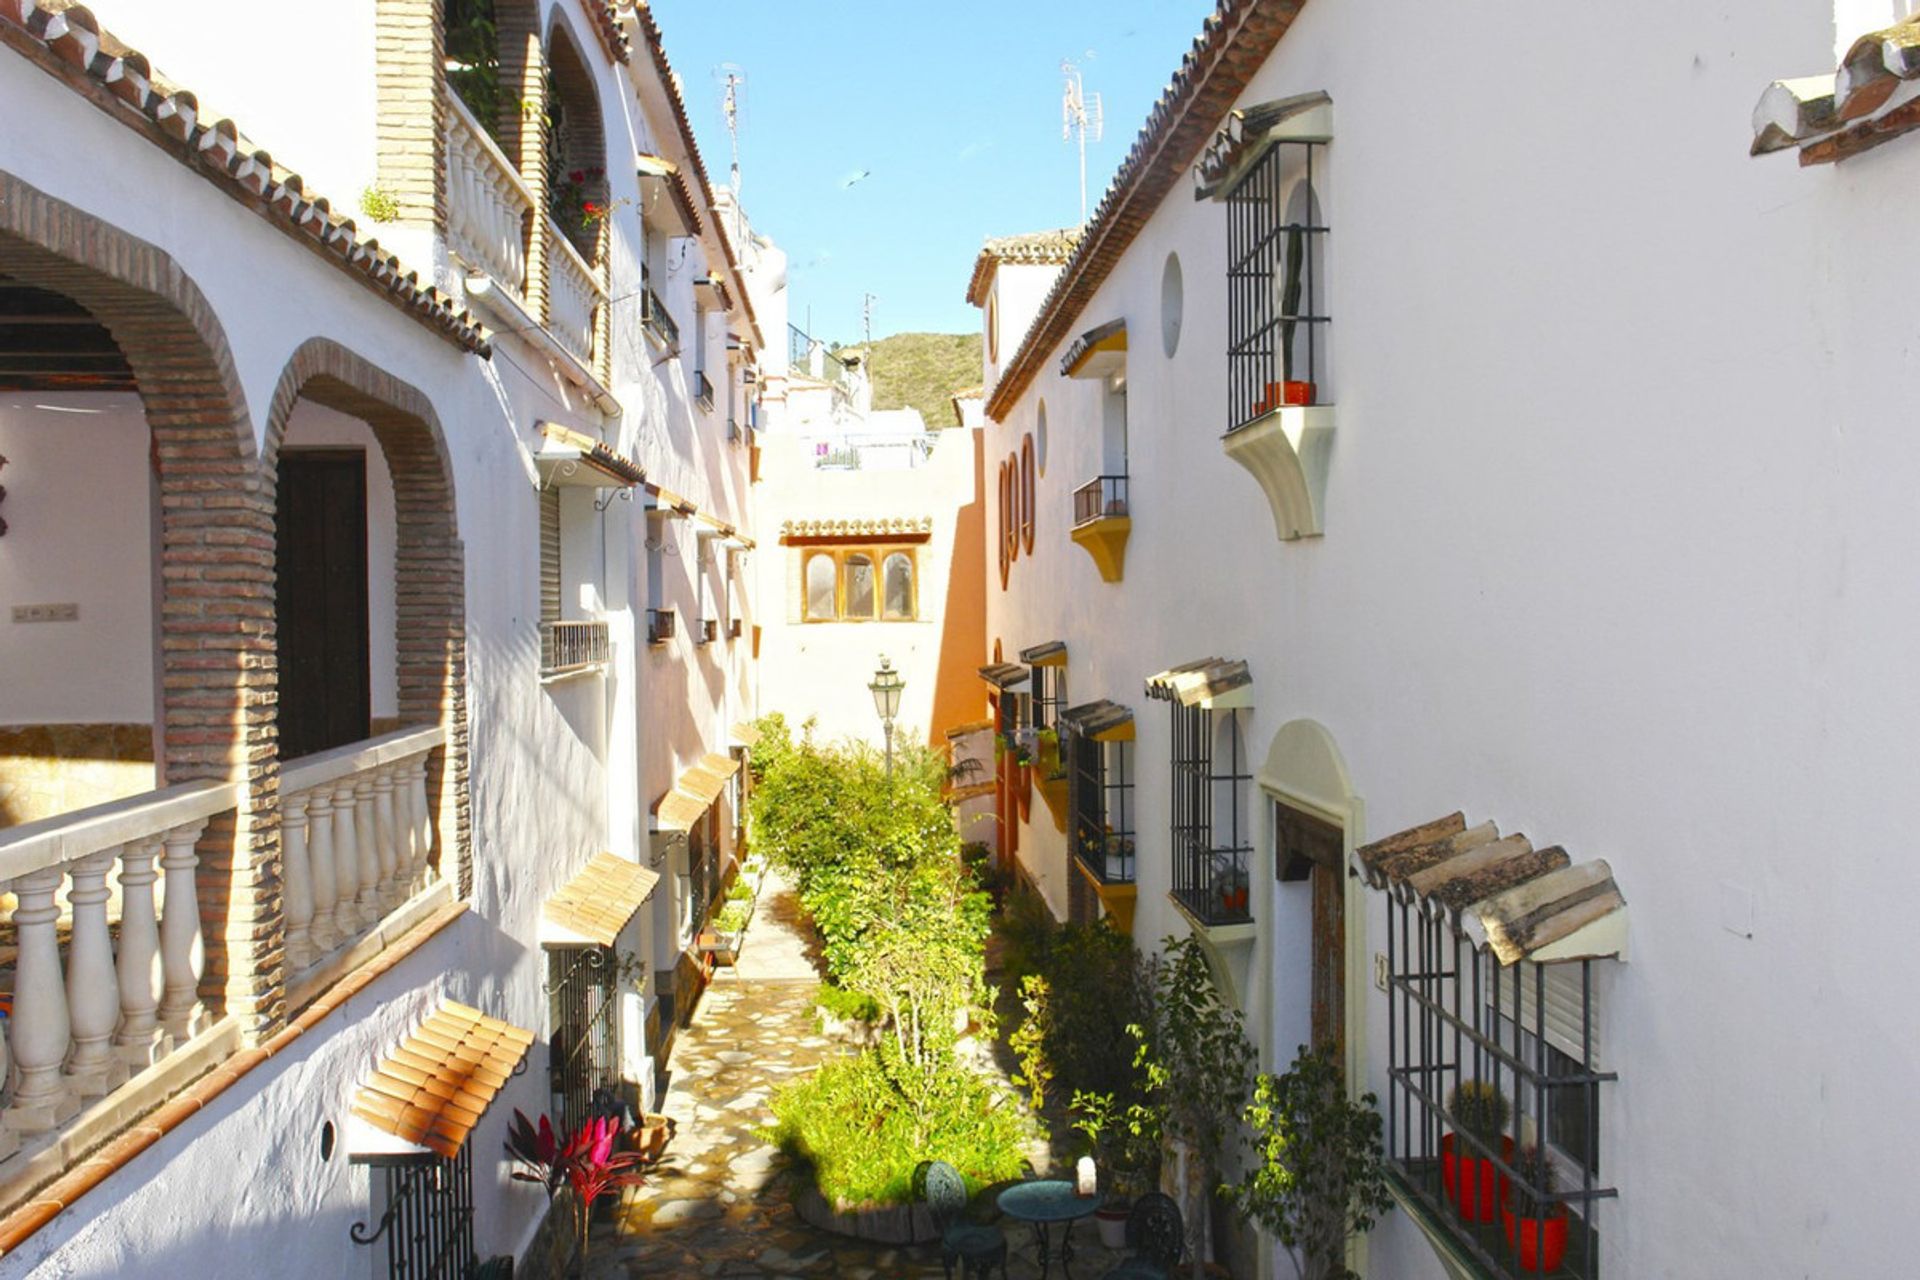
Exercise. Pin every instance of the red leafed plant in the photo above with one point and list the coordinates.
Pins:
(587, 1162)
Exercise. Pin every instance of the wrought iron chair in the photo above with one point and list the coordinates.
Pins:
(977, 1248)
(1156, 1239)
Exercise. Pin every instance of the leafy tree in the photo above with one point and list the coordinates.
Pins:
(1320, 1176)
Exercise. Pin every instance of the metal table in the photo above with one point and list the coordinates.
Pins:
(1044, 1203)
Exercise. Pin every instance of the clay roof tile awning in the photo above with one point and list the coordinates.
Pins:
(1102, 721)
(694, 793)
(1005, 675)
(1053, 653)
(1098, 353)
(1833, 116)
(592, 908)
(570, 448)
(434, 1087)
(746, 734)
(1206, 683)
(1243, 138)
(1520, 902)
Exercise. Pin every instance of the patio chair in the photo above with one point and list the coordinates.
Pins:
(977, 1248)
(1156, 1240)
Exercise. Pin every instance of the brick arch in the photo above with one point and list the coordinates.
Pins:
(217, 682)
(430, 563)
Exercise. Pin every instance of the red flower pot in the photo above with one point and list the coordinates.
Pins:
(1475, 1186)
(1292, 393)
(1540, 1242)
(1234, 902)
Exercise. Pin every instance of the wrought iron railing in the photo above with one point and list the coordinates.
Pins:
(659, 322)
(1098, 499)
(703, 390)
(1276, 329)
(1212, 850)
(583, 1001)
(1455, 1016)
(428, 1219)
(573, 645)
(1101, 804)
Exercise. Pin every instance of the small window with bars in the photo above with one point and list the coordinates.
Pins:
(1276, 282)
(1049, 696)
(426, 1215)
(1100, 800)
(584, 1012)
(1212, 841)
(1529, 1033)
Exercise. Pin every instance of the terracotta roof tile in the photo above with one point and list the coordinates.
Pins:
(1232, 45)
(862, 527)
(1030, 248)
(1196, 682)
(69, 42)
(1832, 117)
(435, 1086)
(596, 904)
(694, 793)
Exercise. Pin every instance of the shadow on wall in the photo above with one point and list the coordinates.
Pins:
(50, 769)
(963, 622)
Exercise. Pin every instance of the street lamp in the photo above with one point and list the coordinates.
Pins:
(885, 689)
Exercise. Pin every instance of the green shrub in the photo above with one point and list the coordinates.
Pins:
(848, 1006)
(732, 918)
(861, 1138)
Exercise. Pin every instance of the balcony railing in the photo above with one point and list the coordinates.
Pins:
(654, 314)
(574, 296)
(356, 838)
(573, 646)
(488, 206)
(129, 995)
(709, 631)
(660, 626)
(703, 390)
(1098, 499)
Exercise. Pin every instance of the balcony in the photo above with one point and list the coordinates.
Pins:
(1102, 521)
(573, 646)
(488, 207)
(702, 391)
(658, 321)
(357, 842)
(709, 631)
(660, 626)
(574, 296)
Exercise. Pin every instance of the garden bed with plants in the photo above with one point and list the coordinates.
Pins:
(902, 921)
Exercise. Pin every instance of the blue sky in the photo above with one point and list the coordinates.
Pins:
(950, 107)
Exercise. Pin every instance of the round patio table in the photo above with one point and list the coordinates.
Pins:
(1043, 1203)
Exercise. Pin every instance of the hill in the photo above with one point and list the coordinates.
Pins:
(922, 371)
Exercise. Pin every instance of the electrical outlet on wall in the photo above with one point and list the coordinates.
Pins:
(46, 613)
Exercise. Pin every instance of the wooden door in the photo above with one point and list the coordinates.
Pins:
(1311, 849)
(321, 600)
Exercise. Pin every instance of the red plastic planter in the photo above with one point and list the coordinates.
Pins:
(1290, 394)
(1540, 1242)
(1474, 1185)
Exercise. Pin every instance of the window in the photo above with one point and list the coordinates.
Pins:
(1172, 302)
(1040, 439)
(1276, 246)
(898, 578)
(1049, 696)
(1100, 801)
(861, 584)
(1456, 1014)
(426, 1214)
(1211, 843)
(583, 1010)
(1005, 492)
(549, 555)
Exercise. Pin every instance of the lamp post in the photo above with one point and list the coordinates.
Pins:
(885, 689)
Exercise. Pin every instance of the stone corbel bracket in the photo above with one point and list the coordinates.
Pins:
(1288, 452)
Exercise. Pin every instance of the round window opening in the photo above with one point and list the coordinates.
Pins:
(993, 327)
(1172, 299)
(327, 1139)
(1040, 440)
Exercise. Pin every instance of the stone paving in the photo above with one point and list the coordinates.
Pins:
(721, 1205)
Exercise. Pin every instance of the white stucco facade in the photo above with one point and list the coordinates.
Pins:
(1614, 554)
(560, 767)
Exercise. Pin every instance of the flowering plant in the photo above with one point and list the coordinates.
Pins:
(586, 1163)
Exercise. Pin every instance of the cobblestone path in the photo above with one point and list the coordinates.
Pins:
(721, 1205)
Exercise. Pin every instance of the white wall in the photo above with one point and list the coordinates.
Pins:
(79, 512)
(1617, 554)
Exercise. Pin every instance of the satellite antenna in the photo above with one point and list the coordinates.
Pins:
(1081, 117)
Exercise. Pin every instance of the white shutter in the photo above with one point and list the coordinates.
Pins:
(1563, 1020)
(549, 555)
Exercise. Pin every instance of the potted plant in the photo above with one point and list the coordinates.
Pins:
(586, 1166)
(1123, 1143)
(1230, 884)
(1536, 1223)
(1289, 391)
(1479, 1110)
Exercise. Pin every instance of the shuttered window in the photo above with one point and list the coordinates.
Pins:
(549, 555)
(1564, 1022)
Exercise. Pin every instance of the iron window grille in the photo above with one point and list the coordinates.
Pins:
(1100, 800)
(584, 1010)
(1211, 850)
(1049, 696)
(428, 1219)
(703, 390)
(573, 646)
(1456, 1014)
(1099, 498)
(1276, 344)
(654, 315)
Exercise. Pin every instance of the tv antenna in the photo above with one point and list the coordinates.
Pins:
(733, 101)
(1081, 117)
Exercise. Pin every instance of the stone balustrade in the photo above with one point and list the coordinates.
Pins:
(574, 296)
(488, 206)
(356, 833)
(89, 1015)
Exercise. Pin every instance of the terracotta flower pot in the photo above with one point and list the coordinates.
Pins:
(1540, 1242)
(650, 1136)
(1292, 393)
(1474, 1185)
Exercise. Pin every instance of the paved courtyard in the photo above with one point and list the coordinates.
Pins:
(722, 1204)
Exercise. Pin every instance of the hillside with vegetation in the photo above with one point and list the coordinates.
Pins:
(922, 371)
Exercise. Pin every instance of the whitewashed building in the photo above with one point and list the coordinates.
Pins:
(372, 614)
(1465, 562)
